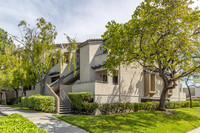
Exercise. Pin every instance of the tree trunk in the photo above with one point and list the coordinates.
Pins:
(24, 93)
(16, 92)
(189, 93)
(42, 87)
(161, 106)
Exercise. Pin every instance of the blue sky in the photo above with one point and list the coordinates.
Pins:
(83, 19)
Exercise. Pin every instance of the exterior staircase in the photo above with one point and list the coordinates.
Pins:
(64, 100)
(64, 109)
(66, 80)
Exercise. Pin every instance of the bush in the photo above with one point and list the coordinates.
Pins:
(11, 100)
(81, 102)
(16, 123)
(39, 102)
(124, 107)
(1, 101)
(116, 108)
(19, 100)
(89, 108)
(84, 96)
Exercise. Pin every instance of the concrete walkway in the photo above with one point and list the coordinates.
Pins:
(196, 130)
(43, 120)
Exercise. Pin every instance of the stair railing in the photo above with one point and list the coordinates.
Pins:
(65, 98)
(63, 77)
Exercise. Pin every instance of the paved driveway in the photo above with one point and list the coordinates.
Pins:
(44, 120)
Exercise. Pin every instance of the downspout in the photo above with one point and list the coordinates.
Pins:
(119, 81)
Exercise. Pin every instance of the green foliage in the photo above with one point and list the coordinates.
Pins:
(1, 101)
(111, 108)
(162, 36)
(16, 123)
(39, 103)
(81, 102)
(89, 108)
(19, 99)
(11, 100)
(39, 47)
(71, 53)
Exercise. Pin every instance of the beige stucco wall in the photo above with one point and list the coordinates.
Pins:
(30, 92)
(100, 59)
(131, 81)
(84, 87)
(84, 63)
(50, 92)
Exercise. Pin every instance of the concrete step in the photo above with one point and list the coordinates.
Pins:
(64, 112)
(64, 108)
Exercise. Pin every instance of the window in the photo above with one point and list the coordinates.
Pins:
(104, 78)
(115, 77)
(115, 80)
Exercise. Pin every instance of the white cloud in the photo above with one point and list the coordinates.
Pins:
(83, 19)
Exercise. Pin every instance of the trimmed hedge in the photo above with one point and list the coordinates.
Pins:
(11, 100)
(16, 123)
(39, 102)
(133, 107)
(1, 101)
(82, 102)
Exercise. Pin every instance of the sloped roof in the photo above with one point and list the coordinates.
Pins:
(90, 40)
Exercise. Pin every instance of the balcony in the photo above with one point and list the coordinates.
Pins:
(169, 93)
(149, 84)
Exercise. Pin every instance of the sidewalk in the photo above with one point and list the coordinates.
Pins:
(196, 130)
(44, 120)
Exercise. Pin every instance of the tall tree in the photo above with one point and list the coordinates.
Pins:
(39, 47)
(6, 59)
(192, 80)
(162, 36)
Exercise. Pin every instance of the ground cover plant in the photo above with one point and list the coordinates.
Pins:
(177, 121)
(16, 123)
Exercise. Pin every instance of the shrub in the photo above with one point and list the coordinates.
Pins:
(39, 102)
(16, 123)
(124, 107)
(195, 103)
(81, 102)
(11, 100)
(24, 101)
(19, 100)
(89, 108)
(1, 101)
(105, 108)
(84, 96)
(177, 104)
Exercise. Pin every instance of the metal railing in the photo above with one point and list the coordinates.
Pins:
(65, 98)
(60, 80)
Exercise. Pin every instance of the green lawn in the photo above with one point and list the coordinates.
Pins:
(184, 120)
(16, 106)
(16, 123)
